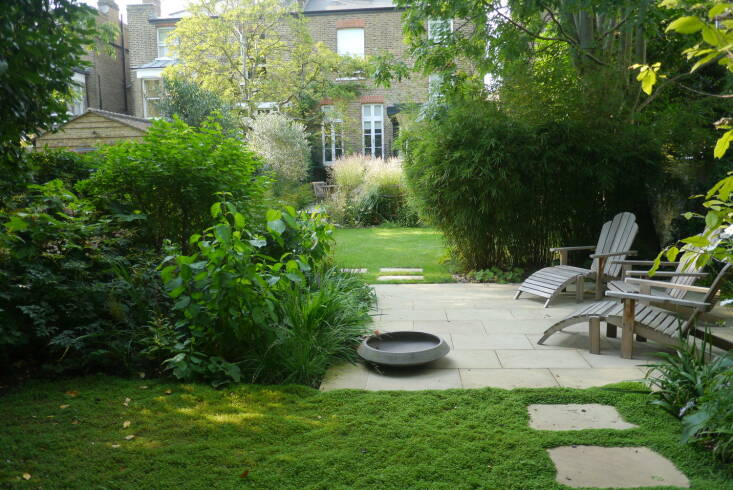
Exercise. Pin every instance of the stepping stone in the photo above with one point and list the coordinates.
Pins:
(614, 467)
(576, 417)
(402, 270)
(355, 271)
(400, 278)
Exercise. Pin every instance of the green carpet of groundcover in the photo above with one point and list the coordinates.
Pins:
(71, 434)
(374, 248)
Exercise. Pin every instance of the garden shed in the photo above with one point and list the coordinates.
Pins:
(93, 128)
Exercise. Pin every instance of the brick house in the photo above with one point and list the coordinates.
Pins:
(105, 84)
(351, 27)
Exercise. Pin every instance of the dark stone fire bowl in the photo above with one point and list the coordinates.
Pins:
(406, 348)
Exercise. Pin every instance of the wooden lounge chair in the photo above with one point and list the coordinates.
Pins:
(614, 241)
(652, 322)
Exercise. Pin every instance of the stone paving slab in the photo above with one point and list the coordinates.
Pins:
(531, 358)
(400, 278)
(355, 271)
(405, 270)
(408, 379)
(507, 379)
(459, 358)
(493, 341)
(614, 467)
(576, 417)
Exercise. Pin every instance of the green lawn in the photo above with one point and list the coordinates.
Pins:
(296, 437)
(373, 248)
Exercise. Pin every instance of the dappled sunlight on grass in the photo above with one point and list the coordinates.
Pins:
(296, 437)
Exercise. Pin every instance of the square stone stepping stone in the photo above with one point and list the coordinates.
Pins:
(401, 270)
(400, 278)
(614, 467)
(355, 271)
(576, 417)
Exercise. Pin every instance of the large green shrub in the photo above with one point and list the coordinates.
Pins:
(261, 306)
(172, 178)
(76, 291)
(504, 190)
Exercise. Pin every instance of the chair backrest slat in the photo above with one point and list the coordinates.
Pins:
(616, 235)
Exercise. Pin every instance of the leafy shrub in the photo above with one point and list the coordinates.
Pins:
(712, 422)
(195, 105)
(697, 386)
(370, 192)
(684, 375)
(283, 145)
(504, 190)
(77, 293)
(172, 178)
(299, 196)
(494, 274)
(260, 306)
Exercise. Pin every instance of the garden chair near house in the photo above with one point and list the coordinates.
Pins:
(322, 190)
(636, 316)
(614, 241)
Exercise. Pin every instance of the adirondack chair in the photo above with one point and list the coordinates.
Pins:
(652, 322)
(685, 273)
(614, 241)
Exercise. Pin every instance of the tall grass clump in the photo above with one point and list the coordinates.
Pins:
(370, 191)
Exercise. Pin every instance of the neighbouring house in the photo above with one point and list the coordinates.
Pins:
(367, 125)
(95, 127)
(104, 85)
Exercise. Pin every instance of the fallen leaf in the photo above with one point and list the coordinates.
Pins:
(125, 424)
(72, 393)
(144, 387)
(26, 476)
(244, 474)
(75, 422)
(127, 400)
(168, 392)
(115, 446)
(63, 406)
(130, 437)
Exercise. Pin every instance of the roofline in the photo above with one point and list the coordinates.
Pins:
(168, 20)
(353, 11)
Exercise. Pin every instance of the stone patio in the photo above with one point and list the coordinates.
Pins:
(493, 341)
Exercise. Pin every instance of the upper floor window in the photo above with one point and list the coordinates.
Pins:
(163, 42)
(439, 29)
(350, 42)
(372, 123)
(152, 90)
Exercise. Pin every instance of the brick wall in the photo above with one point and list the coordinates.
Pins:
(382, 32)
(107, 79)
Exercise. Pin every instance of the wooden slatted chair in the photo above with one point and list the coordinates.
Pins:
(655, 323)
(614, 241)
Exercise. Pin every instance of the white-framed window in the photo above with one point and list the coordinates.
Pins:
(78, 103)
(372, 124)
(439, 29)
(332, 135)
(152, 90)
(163, 42)
(350, 42)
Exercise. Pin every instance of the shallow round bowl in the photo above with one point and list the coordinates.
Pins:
(407, 348)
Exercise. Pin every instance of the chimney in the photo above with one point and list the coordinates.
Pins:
(109, 9)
